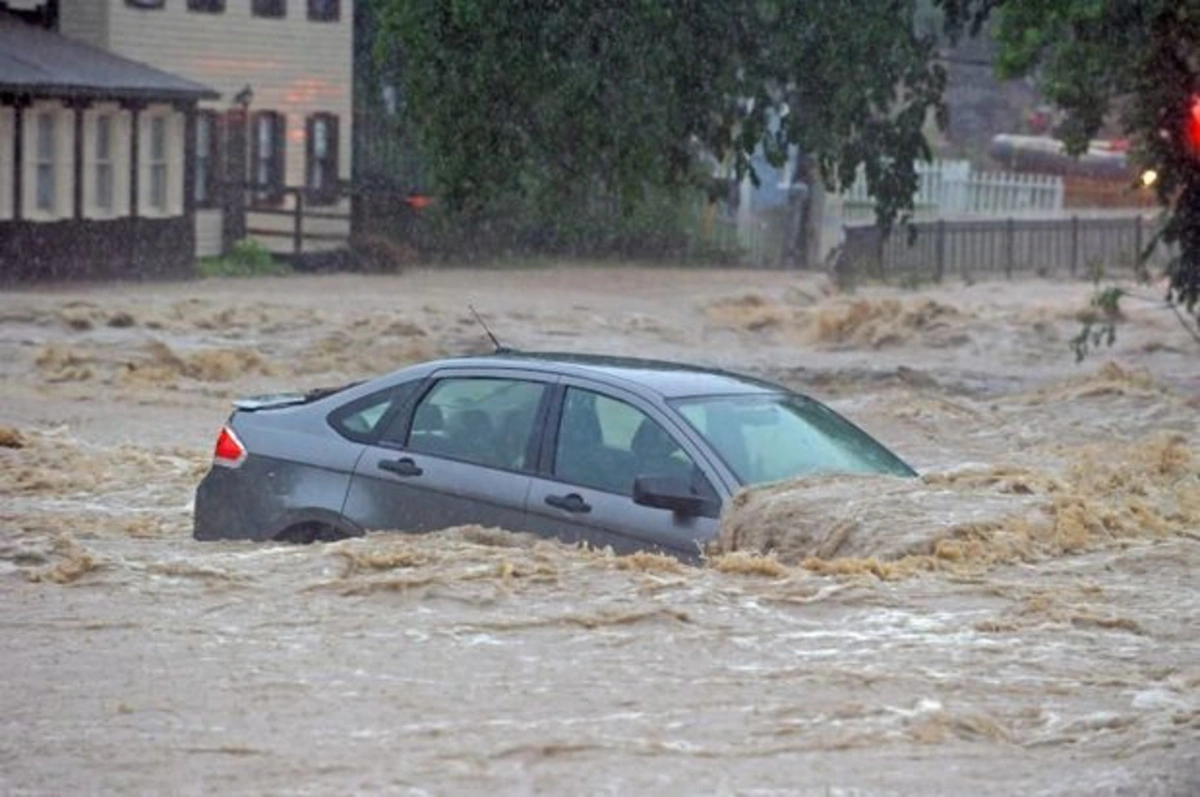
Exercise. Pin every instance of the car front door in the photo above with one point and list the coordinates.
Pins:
(601, 439)
(461, 455)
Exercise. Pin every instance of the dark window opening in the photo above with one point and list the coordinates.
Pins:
(206, 6)
(207, 139)
(321, 172)
(324, 10)
(266, 157)
(269, 8)
(145, 3)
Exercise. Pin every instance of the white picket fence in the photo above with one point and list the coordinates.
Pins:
(951, 189)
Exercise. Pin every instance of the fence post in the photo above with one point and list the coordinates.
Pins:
(298, 225)
(939, 266)
(1074, 244)
(1137, 241)
(1010, 233)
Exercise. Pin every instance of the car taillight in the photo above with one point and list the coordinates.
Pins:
(229, 451)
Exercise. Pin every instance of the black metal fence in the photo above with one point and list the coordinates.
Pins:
(1077, 246)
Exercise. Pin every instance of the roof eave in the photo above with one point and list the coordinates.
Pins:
(57, 91)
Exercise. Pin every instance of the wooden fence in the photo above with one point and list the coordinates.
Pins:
(1076, 246)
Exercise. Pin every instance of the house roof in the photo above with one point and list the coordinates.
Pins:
(43, 63)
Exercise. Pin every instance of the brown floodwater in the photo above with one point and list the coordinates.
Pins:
(1020, 620)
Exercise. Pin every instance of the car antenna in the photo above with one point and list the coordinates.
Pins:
(499, 349)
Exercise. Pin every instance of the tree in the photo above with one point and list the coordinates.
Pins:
(1135, 61)
(553, 107)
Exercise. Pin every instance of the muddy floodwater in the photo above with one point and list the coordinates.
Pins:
(1022, 619)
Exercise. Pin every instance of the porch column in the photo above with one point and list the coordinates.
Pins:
(135, 123)
(19, 105)
(79, 106)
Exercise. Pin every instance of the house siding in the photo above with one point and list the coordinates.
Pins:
(294, 66)
(208, 233)
(85, 21)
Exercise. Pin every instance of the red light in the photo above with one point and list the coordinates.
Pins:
(229, 450)
(1191, 127)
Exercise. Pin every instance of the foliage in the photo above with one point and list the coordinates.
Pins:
(562, 119)
(1135, 61)
(248, 258)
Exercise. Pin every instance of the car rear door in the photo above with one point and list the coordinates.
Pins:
(592, 452)
(462, 454)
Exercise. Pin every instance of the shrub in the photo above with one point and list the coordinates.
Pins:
(247, 258)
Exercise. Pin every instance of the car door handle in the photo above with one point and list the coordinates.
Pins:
(401, 467)
(573, 503)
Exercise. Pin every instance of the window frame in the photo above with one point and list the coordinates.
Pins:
(46, 164)
(205, 192)
(104, 163)
(271, 191)
(402, 395)
(398, 431)
(206, 6)
(680, 436)
(330, 13)
(158, 164)
(268, 9)
(328, 191)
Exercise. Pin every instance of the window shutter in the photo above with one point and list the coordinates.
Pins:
(277, 173)
(176, 130)
(334, 160)
(310, 153)
(145, 204)
(65, 167)
(7, 117)
(122, 147)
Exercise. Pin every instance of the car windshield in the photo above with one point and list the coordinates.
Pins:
(769, 437)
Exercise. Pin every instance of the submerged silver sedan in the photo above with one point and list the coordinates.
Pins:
(628, 453)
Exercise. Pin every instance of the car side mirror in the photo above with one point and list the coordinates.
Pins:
(669, 492)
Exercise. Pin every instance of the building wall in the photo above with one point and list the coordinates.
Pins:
(294, 66)
(51, 242)
(85, 21)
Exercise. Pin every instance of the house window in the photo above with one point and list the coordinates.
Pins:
(269, 8)
(157, 160)
(46, 162)
(206, 6)
(145, 3)
(322, 168)
(266, 161)
(206, 159)
(103, 162)
(324, 10)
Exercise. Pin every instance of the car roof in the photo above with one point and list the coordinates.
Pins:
(668, 379)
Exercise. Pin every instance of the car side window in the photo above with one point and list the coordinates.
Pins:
(606, 443)
(483, 420)
(360, 419)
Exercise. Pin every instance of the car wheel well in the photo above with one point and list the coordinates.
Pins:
(311, 531)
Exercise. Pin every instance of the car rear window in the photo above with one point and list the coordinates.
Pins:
(361, 419)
